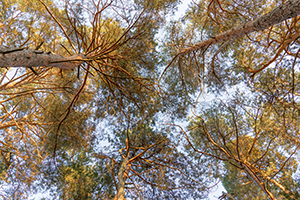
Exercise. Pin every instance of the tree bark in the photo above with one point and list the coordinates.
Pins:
(283, 12)
(281, 187)
(23, 57)
(121, 179)
(256, 180)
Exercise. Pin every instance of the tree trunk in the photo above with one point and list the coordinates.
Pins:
(281, 187)
(256, 180)
(283, 12)
(23, 57)
(121, 180)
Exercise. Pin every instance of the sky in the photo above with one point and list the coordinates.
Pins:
(216, 192)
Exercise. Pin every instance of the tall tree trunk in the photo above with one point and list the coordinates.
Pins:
(256, 180)
(283, 12)
(121, 180)
(23, 57)
(287, 192)
(281, 187)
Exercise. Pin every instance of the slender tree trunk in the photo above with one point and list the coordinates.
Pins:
(287, 192)
(283, 12)
(281, 187)
(121, 180)
(256, 180)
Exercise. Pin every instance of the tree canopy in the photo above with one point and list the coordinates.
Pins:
(109, 99)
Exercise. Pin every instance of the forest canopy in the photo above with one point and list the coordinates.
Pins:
(115, 99)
